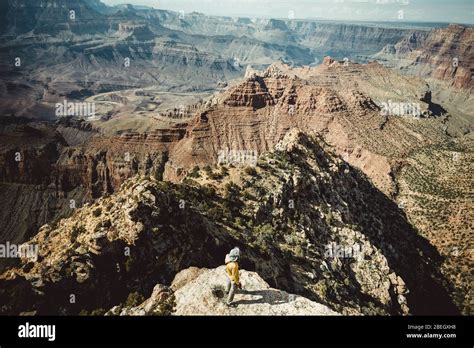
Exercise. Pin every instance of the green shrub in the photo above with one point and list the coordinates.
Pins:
(232, 203)
(129, 264)
(216, 213)
(224, 171)
(194, 172)
(98, 312)
(215, 176)
(167, 307)
(264, 236)
(329, 218)
(299, 251)
(76, 231)
(134, 299)
(250, 171)
(97, 212)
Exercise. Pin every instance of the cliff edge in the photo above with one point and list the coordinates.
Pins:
(201, 291)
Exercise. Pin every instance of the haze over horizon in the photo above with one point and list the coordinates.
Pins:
(449, 11)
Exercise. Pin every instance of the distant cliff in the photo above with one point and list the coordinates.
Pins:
(445, 54)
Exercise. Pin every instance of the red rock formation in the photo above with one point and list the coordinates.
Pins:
(451, 51)
(40, 173)
(443, 53)
(333, 100)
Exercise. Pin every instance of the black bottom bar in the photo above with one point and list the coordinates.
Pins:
(330, 331)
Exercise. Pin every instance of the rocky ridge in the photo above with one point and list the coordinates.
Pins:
(298, 204)
(197, 291)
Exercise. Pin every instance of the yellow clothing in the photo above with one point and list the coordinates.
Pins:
(232, 269)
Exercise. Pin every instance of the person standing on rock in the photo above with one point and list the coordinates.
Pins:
(232, 270)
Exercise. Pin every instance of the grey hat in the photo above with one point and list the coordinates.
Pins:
(234, 254)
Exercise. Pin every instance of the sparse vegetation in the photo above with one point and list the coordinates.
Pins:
(167, 307)
(329, 218)
(134, 299)
(76, 231)
(224, 171)
(194, 172)
(250, 171)
(97, 212)
(95, 312)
